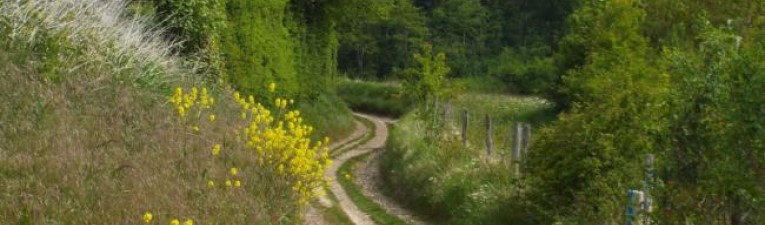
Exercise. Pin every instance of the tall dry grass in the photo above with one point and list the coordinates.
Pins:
(87, 135)
(91, 32)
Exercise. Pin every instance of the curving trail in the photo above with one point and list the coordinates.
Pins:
(312, 216)
(378, 141)
(368, 177)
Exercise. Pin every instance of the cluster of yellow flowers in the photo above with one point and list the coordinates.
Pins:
(279, 139)
(147, 217)
(283, 143)
(236, 182)
(184, 102)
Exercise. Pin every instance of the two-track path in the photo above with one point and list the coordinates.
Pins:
(368, 179)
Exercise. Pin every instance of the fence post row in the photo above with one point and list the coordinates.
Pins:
(489, 141)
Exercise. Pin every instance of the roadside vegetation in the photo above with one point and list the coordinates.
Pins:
(101, 122)
(428, 168)
(630, 84)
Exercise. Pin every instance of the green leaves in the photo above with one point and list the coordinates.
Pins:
(427, 80)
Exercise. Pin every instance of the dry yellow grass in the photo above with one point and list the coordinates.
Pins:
(83, 152)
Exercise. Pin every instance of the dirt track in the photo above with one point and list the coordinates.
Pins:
(368, 177)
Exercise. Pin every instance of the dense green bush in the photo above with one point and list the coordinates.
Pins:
(250, 44)
(685, 95)
(714, 144)
(525, 71)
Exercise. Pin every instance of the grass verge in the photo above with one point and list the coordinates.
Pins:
(328, 115)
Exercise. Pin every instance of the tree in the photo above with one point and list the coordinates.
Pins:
(427, 80)
(376, 46)
(584, 162)
(461, 29)
(715, 148)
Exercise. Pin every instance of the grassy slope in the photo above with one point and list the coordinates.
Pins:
(87, 135)
(450, 183)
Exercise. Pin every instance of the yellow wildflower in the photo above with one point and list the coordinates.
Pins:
(211, 117)
(182, 111)
(216, 150)
(210, 184)
(175, 222)
(347, 176)
(228, 183)
(237, 183)
(195, 128)
(233, 171)
(147, 217)
(272, 87)
(188, 222)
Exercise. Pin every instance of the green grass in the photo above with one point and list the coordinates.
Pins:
(385, 99)
(451, 184)
(366, 205)
(328, 115)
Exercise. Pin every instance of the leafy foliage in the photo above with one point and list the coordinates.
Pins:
(427, 81)
(637, 84)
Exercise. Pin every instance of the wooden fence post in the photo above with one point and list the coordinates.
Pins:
(649, 160)
(517, 149)
(489, 141)
(526, 138)
(435, 111)
(447, 110)
(427, 105)
(465, 121)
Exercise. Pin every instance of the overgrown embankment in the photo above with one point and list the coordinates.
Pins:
(88, 134)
